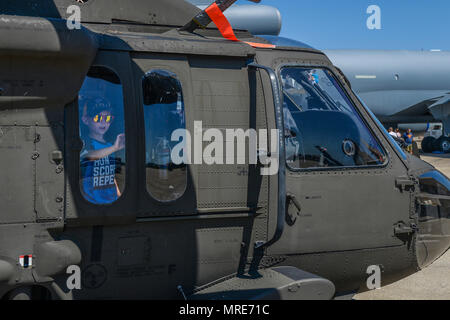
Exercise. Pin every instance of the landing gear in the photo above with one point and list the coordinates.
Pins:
(443, 144)
(428, 144)
(431, 144)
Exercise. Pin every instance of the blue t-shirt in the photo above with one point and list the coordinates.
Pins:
(408, 138)
(98, 176)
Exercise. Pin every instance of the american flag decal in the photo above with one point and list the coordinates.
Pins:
(26, 261)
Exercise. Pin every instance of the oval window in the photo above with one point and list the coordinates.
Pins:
(102, 127)
(163, 115)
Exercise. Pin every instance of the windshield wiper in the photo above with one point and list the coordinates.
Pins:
(327, 97)
(292, 100)
(318, 93)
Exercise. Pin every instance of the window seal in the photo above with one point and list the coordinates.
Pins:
(344, 168)
(142, 109)
(78, 150)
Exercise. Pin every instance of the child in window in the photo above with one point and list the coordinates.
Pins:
(98, 165)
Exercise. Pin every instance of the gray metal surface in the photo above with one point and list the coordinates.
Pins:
(431, 283)
(348, 219)
(258, 19)
(167, 12)
(279, 283)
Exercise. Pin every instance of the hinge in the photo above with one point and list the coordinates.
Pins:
(402, 228)
(292, 217)
(37, 137)
(404, 184)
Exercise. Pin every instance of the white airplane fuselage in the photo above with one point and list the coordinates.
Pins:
(399, 86)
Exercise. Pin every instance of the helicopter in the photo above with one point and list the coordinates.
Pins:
(87, 123)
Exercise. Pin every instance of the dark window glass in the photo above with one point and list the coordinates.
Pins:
(429, 184)
(322, 127)
(102, 159)
(163, 114)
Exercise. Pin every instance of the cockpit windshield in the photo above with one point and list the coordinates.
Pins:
(313, 89)
(322, 126)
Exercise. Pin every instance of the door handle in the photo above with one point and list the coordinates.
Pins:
(404, 183)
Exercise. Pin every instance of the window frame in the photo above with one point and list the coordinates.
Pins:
(142, 111)
(357, 110)
(126, 149)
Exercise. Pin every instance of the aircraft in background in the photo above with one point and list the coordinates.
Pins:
(398, 86)
(402, 87)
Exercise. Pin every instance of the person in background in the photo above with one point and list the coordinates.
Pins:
(392, 133)
(409, 138)
(399, 135)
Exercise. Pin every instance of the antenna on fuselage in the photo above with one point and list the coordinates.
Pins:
(202, 20)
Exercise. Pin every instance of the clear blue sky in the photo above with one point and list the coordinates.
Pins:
(341, 24)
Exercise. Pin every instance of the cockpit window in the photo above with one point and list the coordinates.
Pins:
(163, 114)
(102, 128)
(322, 127)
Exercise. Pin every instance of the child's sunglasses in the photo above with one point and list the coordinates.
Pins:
(100, 118)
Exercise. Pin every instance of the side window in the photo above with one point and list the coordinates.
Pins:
(322, 127)
(163, 114)
(101, 115)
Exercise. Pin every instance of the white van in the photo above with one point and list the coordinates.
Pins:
(435, 130)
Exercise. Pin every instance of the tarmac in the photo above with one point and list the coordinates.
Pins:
(431, 283)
